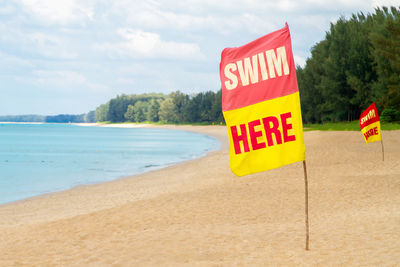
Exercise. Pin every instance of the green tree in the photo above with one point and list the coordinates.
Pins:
(140, 111)
(386, 53)
(181, 102)
(90, 116)
(168, 111)
(192, 110)
(153, 110)
(357, 63)
(118, 107)
(101, 113)
(216, 108)
(130, 113)
(206, 106)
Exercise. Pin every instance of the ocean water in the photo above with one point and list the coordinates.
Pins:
(41, 158)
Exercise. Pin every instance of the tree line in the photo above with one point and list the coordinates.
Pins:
(61, 118)
(177, 107)
(356, 64)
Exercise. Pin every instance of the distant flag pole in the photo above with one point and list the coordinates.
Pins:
(261, 107)
(371, 127)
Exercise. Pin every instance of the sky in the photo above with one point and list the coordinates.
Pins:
(70, 56)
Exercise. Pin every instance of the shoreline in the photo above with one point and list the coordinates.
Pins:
(37, 208)
(201, 130)
(198, 213)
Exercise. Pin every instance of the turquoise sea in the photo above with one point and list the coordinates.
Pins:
(42, 158)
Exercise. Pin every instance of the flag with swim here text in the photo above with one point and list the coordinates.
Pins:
(370, 124)
(261, 104)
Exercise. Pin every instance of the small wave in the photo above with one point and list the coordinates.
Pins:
(151, 165)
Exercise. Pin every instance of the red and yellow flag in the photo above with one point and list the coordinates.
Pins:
(370, 124)
(261, 104)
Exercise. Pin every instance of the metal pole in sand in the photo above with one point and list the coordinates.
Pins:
(306, 206)
(383, 154)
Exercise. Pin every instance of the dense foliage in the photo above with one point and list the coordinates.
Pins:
(358, 63)
(68, 118)
(62, 118)
(176, 107)
(23, 118)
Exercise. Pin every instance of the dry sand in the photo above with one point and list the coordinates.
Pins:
(199, 214)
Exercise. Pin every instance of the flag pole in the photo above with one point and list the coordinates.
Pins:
(306, 206)
(383, 154)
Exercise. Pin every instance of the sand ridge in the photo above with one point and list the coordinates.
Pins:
(199, 214)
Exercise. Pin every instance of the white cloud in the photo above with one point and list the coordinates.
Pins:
(59, 11)
(6, 9)
(162, 19)
(388, 3)
(98, 88)
(228, 17)
(49, 45)
(11, 61)
(126, 81)
(66, 81)
(194, 16)
(141, 44)
(299, 60)
(37, 41)
(59, 78)
(287, 5)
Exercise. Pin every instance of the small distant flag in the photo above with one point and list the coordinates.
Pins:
(371, 126)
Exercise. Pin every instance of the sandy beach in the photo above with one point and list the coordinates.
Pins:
(198, 213)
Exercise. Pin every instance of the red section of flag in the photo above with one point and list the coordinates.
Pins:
(258, 71)
(370, 115)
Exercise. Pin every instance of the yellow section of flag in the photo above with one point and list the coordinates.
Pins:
(265, 135)
(372, 132)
